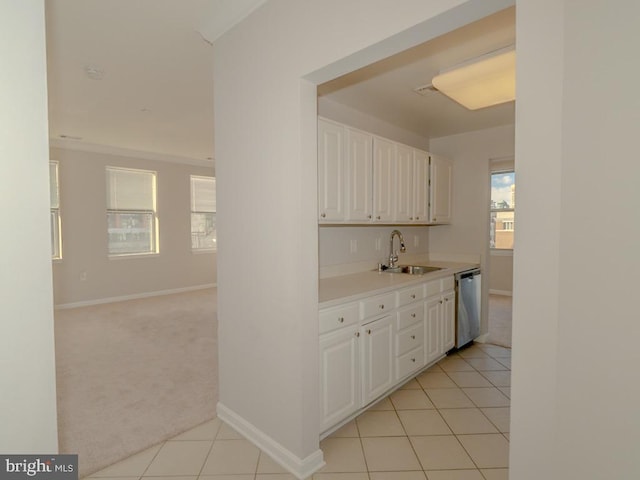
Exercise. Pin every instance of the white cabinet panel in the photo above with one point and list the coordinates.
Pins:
(440, 195)
(384, 166)
(377, 358)
(404, 201)
(421, 187)
(359, 183)
(331, 171)
(339, 376)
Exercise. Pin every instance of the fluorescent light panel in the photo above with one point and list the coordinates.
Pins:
(489, 80)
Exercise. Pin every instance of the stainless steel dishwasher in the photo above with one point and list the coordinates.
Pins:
(468, 306)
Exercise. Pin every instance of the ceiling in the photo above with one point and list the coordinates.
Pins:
(386, 89)
(137, 75)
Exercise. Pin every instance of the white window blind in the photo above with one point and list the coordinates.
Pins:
(130, 189)
(203, 194)
(54, 188)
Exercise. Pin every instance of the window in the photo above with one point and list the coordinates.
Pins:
(131, 211)
(203, 213)
(54, 192)
(503, 203)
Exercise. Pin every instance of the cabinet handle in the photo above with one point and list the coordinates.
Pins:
(378, 217)
(413, 337)
(323, 215)
(357, 334)
(341, 319)
(410, 218)
(381, 306)
(413, 296)
(369, 332)
(440, 302)
(413, 360)
(446, 299)
(417, 218)
(369, 217)
(435, 219)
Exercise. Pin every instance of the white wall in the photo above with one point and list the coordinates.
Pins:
(27, 370)
(335, 244)
(349, 116)
(84, 237)
(265, 141)
(575, 393)
(468, 232)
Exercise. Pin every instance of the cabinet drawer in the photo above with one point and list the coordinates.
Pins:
(432, 288)
(377, 305)
(337, 317)
(409, 315)
(409, 362)
(409, 339)
(409, 295)
(448, 283)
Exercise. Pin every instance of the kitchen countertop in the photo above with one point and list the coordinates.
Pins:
(346, 288)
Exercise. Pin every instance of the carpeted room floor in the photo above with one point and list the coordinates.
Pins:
(131, 374)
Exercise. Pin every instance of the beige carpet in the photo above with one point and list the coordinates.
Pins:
(500, 320)
(132, 374)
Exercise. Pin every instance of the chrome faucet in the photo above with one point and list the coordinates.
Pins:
(393, 256)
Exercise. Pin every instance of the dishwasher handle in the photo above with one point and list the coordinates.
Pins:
(468, 274)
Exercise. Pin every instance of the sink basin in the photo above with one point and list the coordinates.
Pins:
(413, 269)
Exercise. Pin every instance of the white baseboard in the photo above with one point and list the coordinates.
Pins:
(299, 467)
(482, 338)
(508, 293)
(135, 296)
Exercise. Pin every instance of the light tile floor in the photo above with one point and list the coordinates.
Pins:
(449, 423)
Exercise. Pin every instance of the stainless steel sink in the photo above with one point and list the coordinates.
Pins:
(413, 269)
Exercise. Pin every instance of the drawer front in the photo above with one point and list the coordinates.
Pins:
(448, 283)
(410, 295)
(410, 339)
(377, 305)
(410, 315)
(409, 363)
(338, 317)
(432, 288)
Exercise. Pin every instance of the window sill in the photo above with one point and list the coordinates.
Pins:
(200, 251)
(127, 256)
(501, 252)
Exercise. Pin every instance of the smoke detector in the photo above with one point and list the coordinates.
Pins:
(94, 73)
(425, 90)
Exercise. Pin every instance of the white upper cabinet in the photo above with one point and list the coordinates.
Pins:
(331, 171)
(405, 171)
(359, 181)
(440, 192)
(363, 178)
(421, 187)
(384, 180)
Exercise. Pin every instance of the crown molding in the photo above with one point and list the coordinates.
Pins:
(126, 152)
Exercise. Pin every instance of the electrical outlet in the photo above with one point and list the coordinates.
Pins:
(378, 244)
(353, 247)
(83, 276)
(416, 241)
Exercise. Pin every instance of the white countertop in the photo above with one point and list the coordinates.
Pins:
(345, 288)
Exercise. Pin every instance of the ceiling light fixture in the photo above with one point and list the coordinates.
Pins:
(481, 82)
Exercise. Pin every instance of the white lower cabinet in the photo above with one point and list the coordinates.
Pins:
(339, 375)
(377, 358)
(370, 346)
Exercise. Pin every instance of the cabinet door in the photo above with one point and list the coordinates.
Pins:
(448, 330)
(384, 159)
(440, 192)
(404, 204)
(432, 339)
(377, 358)
(339, 376)
(331, 171)
(421, 187)
(359, 176)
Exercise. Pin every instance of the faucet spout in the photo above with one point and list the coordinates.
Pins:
(393, 256)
